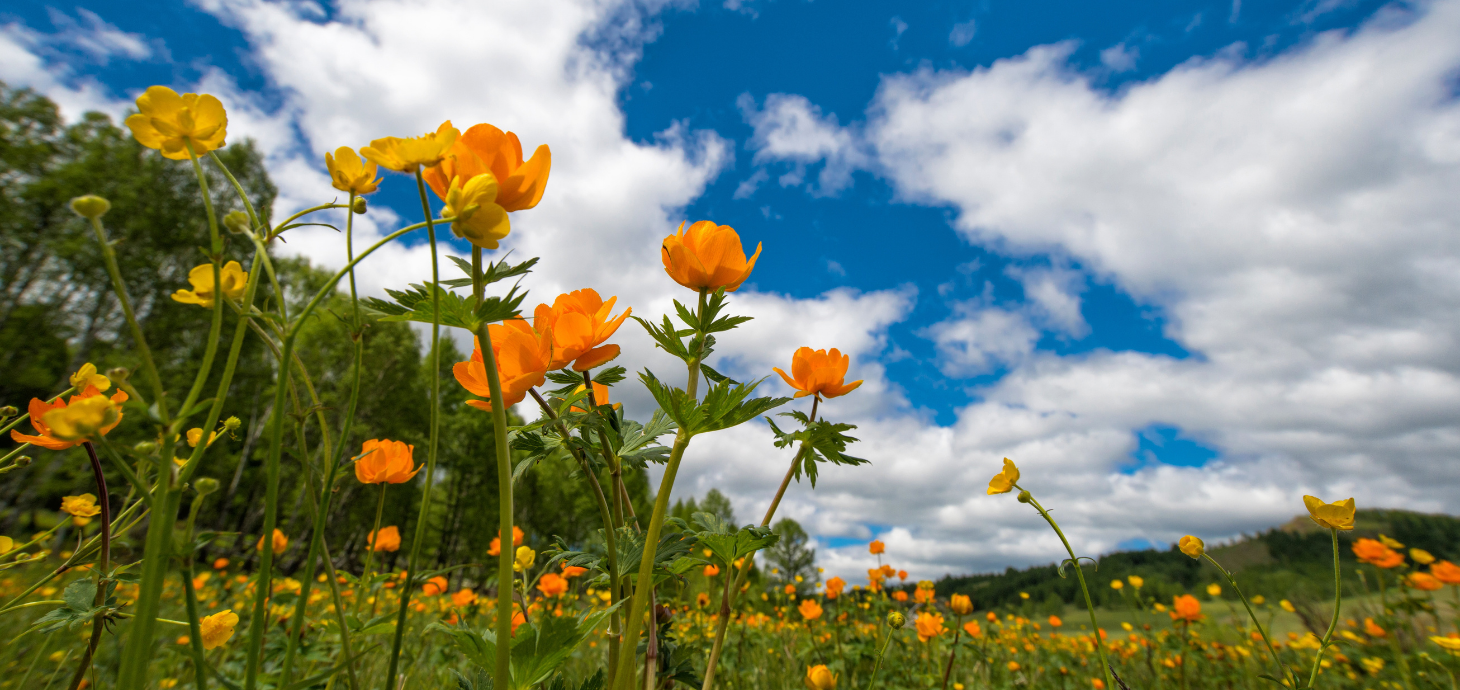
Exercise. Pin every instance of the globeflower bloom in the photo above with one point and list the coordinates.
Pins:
(463, 597)
(495, 549)
(1185, 608)
(280, 541)
(1424, 581)
(580, 322)
(1192, 546)
(232, 276)
(835, 585)
(387, 539)
(972, 629)
(524, 558)
(1337, 515)
(411, 154)
(552, 585)
(485, 150)
(351, 173)
(1004, 481)
(707, 257)
(876, 547)
(1446, 572)
(217, 628)
(1419, 556)
(1055, 622)
(87, 377)
(818, 372)
(479, 218)
(171, 123)
(712, 570)
(107, 411)
(1136, 581)
(820, 678)
(929, 625)
(1377, 554)
(81, 508)
(434, 586)
(960, 604)
(522, 355)
(384, 461)
(810, 610)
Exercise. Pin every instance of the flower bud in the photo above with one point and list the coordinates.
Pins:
(231, 424)
(90, 206)
(205, 485)
(1192, 546)
(22, 461)
(360, 206)
(7, 412)
(146, 447)
(895, 619)
(237, 222)
(663, 614)
(118, 375)
(1024, 497)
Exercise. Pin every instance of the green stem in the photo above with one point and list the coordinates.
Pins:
(370, 553)
(195, 629)
(872, 682)
(1079, 575)
(215, 328)
(405, 595)
(502, 670)
(1282, 671)
(149, 367)
(1337, 602)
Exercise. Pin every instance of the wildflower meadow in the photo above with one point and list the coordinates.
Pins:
(488, 550)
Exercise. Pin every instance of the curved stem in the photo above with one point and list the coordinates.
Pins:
(1337, 602)
(1276, 660)
(103, 564)
(872, 682)
(405, 595)
(120, 290)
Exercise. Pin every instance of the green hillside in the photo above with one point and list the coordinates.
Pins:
(1292, 561)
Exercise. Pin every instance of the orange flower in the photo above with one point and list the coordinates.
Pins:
(929, 625)
(495, 549)
(712, 570)
(280, 542)
(1372, 629)
(517, 619)
(1446, 572)
(887, 571)
(484, 149)
(818, 372)
(1424, 581)
(923, 596)
(810, 610)
(572, 571)
(876, 547)
(960, 604)
(702, 600)
(463, 597)
(899, 596)
(820, 678)
(434, 586)
(1377, 554)
(835, 585)
(972, 628)
(707, 257)
(46, 436)
(600, 396)
(552, 585)
(902, 574)
(389, 539)
(580, 321)
(220, 564)
(523, 356)
(386, 461)
(1185, 608)
(1055, 622)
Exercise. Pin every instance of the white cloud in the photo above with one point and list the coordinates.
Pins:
(789, 128)
(1054, 297)
(1120, 57)
(30, 58)
(98, 38)
(962, 33)
(979, 340)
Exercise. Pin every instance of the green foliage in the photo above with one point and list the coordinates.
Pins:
(823, 441)
(791, 556)
(724, 406)
(539, 647)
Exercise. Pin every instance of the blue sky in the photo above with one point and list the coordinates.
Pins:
(1106, 239)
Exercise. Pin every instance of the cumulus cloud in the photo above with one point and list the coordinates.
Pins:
(789, 128)
(39, 60)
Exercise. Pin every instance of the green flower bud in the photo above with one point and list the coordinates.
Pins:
(895, 619)
(8, 411)
(236, 222)
(118, 375)
(22, 461)
(231, 424)
(360, 206)
(1024, 497)
(146, 447)
(90, 206)
(205, 485)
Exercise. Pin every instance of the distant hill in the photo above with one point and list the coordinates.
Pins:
(1292, 561)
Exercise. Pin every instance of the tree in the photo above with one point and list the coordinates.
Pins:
(790, 557)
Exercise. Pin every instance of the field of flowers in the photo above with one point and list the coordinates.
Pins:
(111, 592)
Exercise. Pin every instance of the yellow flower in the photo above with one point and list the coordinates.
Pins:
(1004, 481)
(1450, 644)
(1390, 542)
(169, 122)
(1214, 590)
(235, 281)
(820, 678)
(1117, 584)
(1337, 515)
(87, 376)
(217, 628)
(6, 544)
(484, 149)
(1372, 664)
(1419, 556)
(83, 506)
(1287, 605)
(82, 419)
(479, 218)
(1136, 581)
(411, 154)
(1192, 546)
(1259, 600)
(350, 173)
(279, 542)
(525, 558)
(195, 436)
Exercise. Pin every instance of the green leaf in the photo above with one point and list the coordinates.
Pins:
(377, 629)
(611, 376)
(715, 376)
(666, 337)
(80, 594)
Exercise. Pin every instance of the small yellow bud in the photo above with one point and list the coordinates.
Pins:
(237, 222)
(896, 620)
(1024, 497)
(360, 206)
(1192, 546)
(90, 206)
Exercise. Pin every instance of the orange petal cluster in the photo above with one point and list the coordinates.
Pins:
(385, 461)
(43, 436)
(1376, 553)
(818, 372)
(522, 355)
(707, 257)
(1185, 608)
(580, 322)
(484, 149)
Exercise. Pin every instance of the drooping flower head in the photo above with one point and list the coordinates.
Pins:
(170, 123)
(1185, 608)
(1337, 515)
(231, 275)
(522, 355)
(929, 625)
(479, 218)
(95, 415)
(580, 323)
(1004, 481)
(384, 461)
(217, 628)
(810, 610)
(485, 150)
(387, 539)
(552, 585)
(820, 677)
(818, 372)
(707, 257)
(351, 173)
(413, 153)
(1192, 546)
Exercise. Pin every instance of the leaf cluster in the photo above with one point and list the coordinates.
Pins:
(538, 647)
(724, 406)
(821, 441)
(701, 326)
(457, 311)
